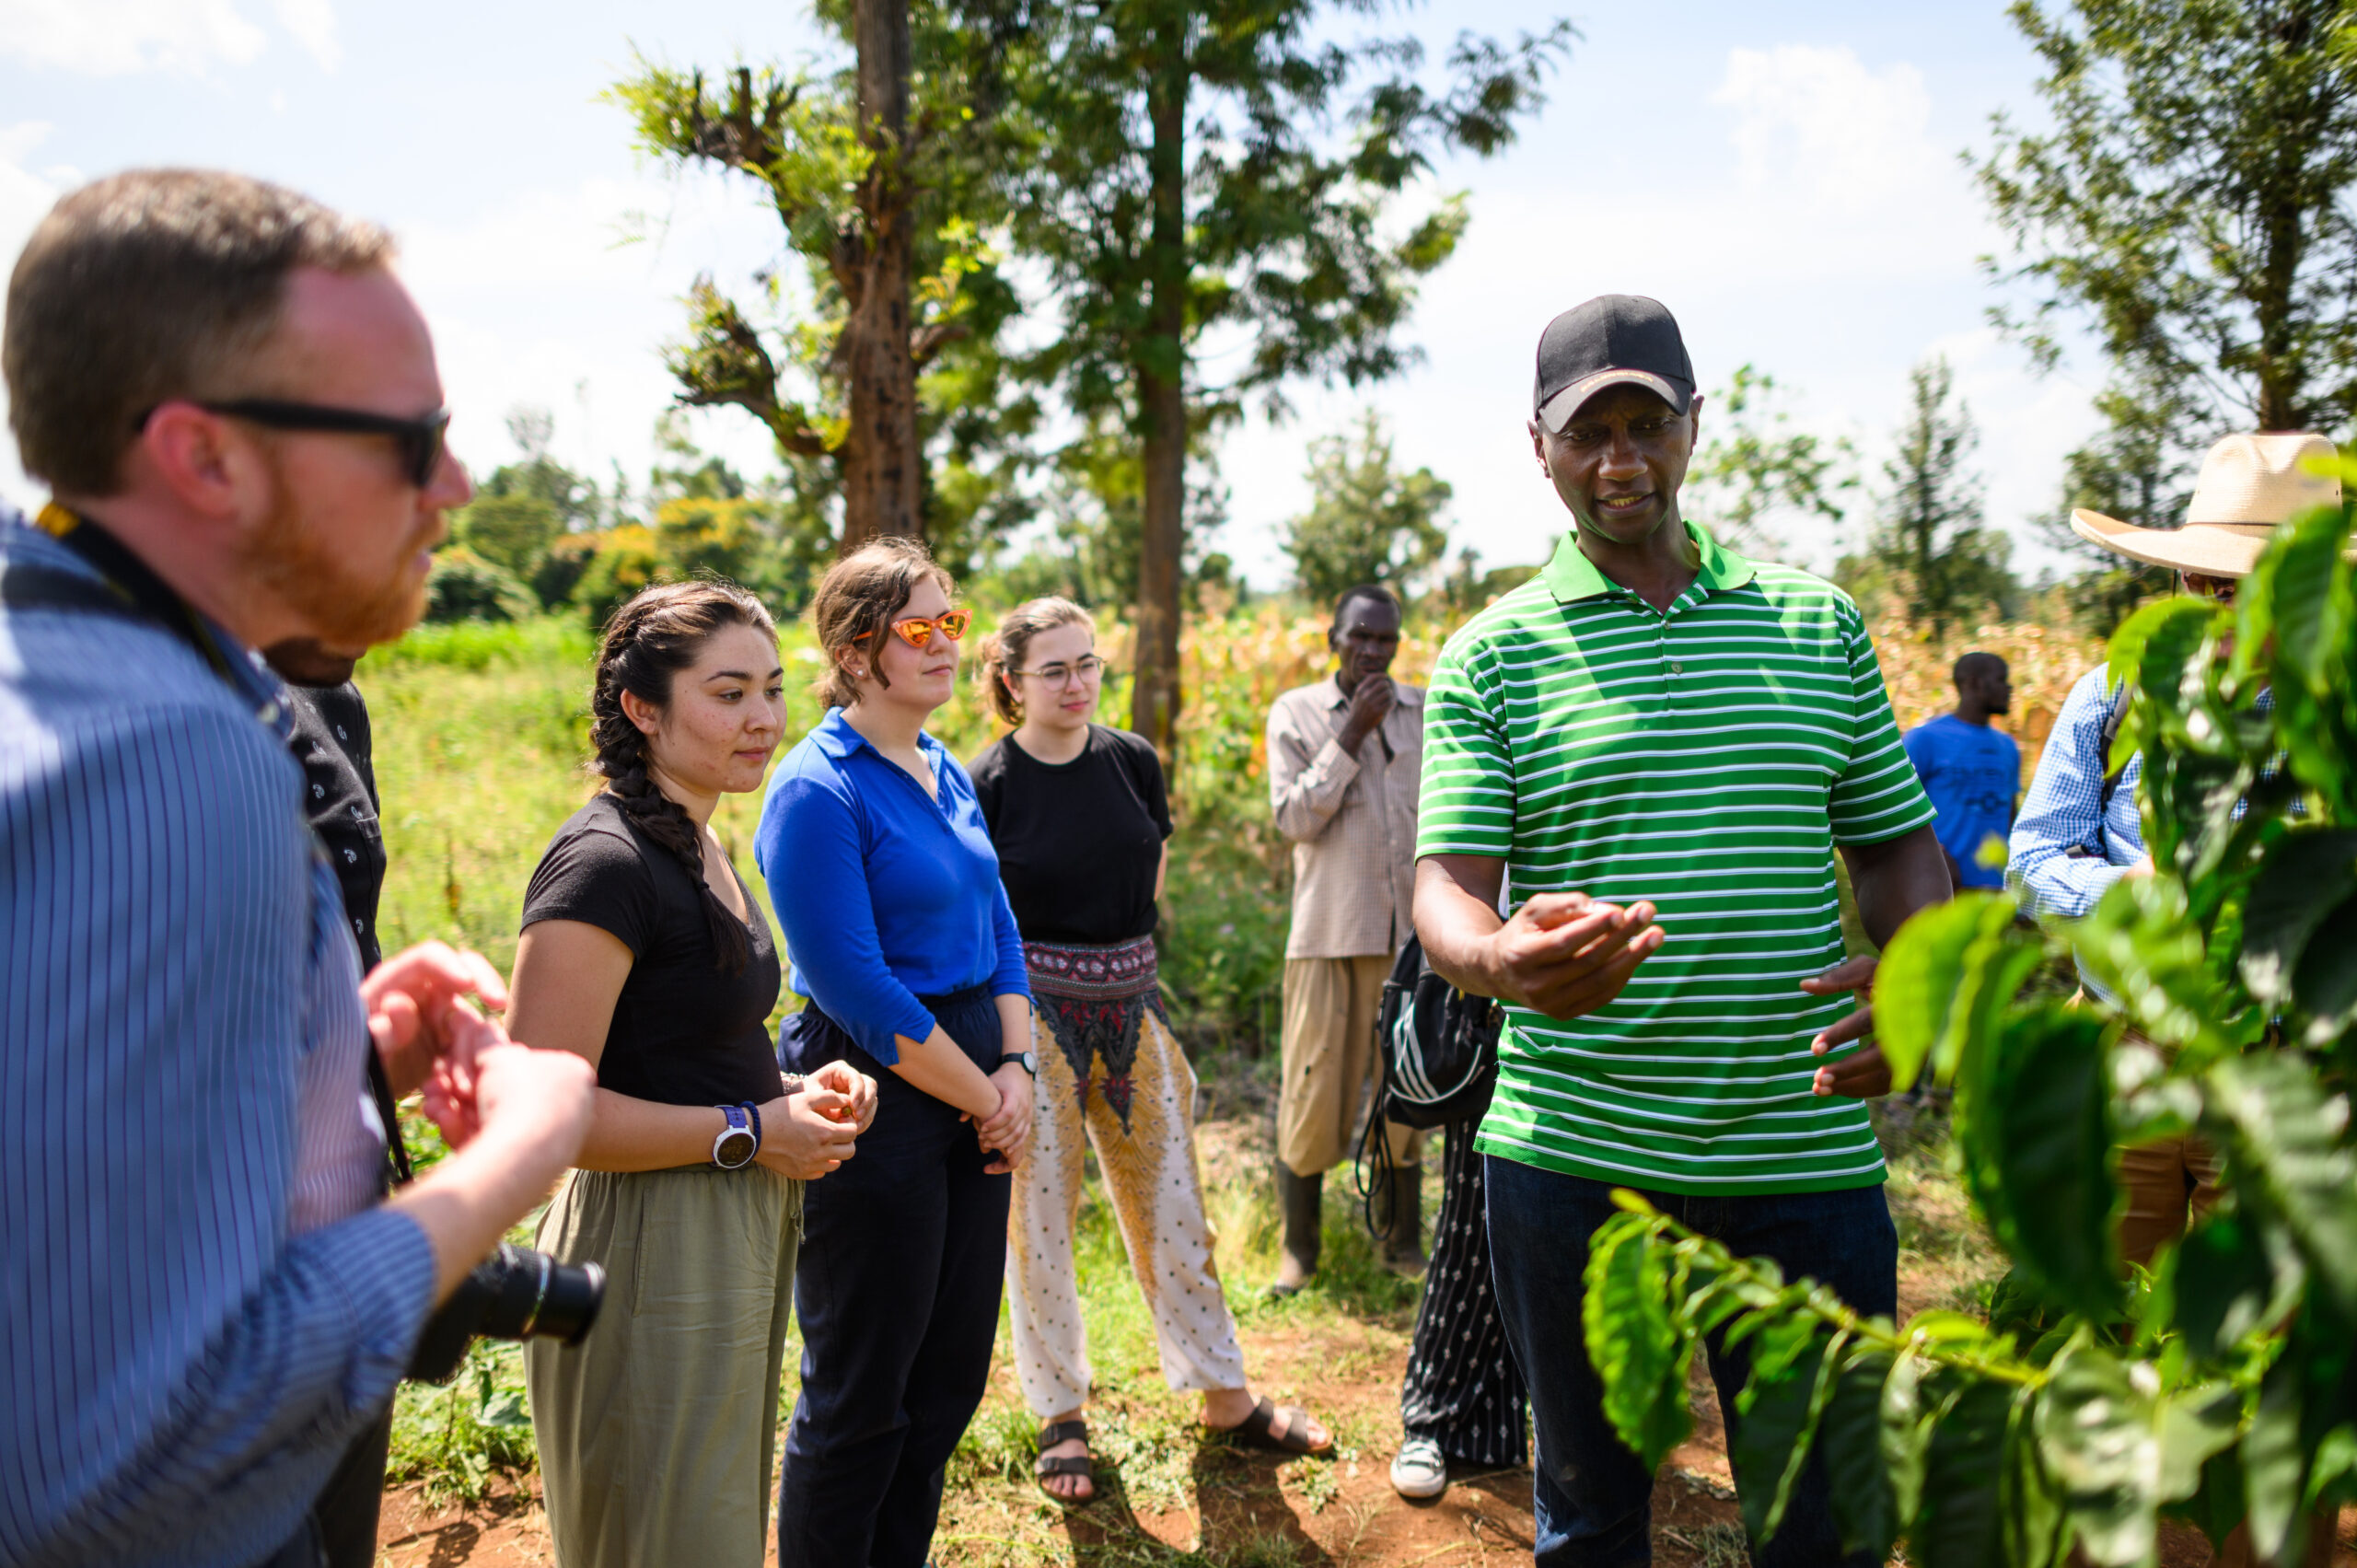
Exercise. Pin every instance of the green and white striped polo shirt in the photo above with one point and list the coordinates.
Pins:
(1709, 759)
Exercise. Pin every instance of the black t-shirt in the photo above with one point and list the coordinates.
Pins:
(340, 796)
(685, 1030)
(1078, 842)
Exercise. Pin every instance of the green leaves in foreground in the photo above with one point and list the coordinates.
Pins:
(1938, 1433)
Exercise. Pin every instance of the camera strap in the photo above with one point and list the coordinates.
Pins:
(127, 588)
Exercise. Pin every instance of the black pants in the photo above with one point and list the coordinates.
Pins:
(1462, 1389)
(898, 1290)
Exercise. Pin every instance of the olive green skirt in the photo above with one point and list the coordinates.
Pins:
(658, 1432)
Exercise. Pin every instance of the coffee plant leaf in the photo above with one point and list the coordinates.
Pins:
(2043, 1139)
(2098, 1431)
(1917, 981)
(1904, 1424)
(2308, 875)
(2223, 1282)
(1961, 1521)
(2284, 1136)
(1631, 1341)
(1782, 1405)
(2197, 1424)
(2038, 1527)
(1850, 1433)
(2275, 1470)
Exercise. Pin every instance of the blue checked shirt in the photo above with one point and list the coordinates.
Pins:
(199, 1304)
(2064, 810)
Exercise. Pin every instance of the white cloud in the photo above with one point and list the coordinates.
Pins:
(105, 38)
(1815, 127)
(312, 23)
(25, 197)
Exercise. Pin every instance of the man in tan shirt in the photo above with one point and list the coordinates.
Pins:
(1344, 760)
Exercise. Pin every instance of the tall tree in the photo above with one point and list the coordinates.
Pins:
(1229, 166)
(2189, 205)
(1930, 536)
(879, 178)
(1367, 522)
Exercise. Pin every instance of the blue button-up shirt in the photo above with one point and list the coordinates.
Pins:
(200, 1307)
(885, 893)
(2064, 810)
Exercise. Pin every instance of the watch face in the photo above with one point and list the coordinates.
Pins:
(734, 1149)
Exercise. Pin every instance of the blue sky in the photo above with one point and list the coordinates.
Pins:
(1785, 177)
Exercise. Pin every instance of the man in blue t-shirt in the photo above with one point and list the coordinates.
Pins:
(1972, 772)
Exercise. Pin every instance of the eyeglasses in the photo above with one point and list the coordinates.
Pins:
(419, 440)
(918, 630)
(1085, 670)
(2218, 590)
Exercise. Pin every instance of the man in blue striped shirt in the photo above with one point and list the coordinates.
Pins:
(203, 1302)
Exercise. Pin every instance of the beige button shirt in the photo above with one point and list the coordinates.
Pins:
(1351, 819)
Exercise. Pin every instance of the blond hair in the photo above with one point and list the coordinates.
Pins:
(856, 601)
(147, 287)
(1003, 650)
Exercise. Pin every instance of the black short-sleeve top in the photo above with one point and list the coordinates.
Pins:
(1079, 841)
(685, 1030)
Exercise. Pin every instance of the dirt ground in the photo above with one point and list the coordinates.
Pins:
(1162, 1503)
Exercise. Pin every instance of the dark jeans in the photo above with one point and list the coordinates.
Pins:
(903, 1249)
(1593, 1500)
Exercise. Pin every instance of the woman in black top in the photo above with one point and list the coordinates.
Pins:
(642, 952)
(1079, 817)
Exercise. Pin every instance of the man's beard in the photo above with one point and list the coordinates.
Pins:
(346, 609)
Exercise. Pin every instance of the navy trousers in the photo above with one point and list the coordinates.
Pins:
(1593, 1499)
(904, 1251)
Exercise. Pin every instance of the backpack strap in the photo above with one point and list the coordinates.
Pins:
(24, 585)
(2114, 716)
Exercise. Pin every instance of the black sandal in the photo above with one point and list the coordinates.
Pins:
(1044, 1467)
(1255, 1430)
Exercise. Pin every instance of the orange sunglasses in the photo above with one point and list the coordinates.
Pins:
(918, 630)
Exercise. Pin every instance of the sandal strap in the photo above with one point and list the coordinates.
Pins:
(1256, 1428)
(1068, 1464)
(1057, 1431)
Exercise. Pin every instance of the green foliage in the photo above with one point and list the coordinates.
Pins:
(1753, 466)
(511, 531)
(2188, 202)
(463, 586)
(460, 1437)
(1367, 522)
(2219, 1386)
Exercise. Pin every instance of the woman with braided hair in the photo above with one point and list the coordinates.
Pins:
(642, 952)
(886, 886)
(1081, 819)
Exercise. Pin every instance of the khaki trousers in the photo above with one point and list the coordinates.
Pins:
(1329, 1063)
(658, 1432)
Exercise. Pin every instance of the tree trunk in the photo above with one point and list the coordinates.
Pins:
(881, 464)
(1162, 402)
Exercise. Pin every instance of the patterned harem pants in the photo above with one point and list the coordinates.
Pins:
(1111, 1074)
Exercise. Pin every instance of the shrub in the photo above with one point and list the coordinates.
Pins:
(465, 586)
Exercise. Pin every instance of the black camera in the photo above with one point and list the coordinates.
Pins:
(515, 1294)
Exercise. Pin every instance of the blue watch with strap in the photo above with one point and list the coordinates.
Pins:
(739, 1141)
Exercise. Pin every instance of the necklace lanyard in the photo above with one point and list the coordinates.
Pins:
(132, 581)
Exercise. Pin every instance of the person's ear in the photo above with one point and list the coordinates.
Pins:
(645, 715)
(1694, 424)
(208, 465)
(1538, 445)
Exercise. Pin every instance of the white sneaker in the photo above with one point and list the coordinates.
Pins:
(1421, 1471)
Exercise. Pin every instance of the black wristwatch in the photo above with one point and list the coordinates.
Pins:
(1023, 1059)
(737, 1142)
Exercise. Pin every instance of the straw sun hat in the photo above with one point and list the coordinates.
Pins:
(2248, 485)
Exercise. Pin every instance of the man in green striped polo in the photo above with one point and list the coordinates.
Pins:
(1658, 746)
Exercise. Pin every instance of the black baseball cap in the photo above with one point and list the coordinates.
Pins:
(1614, 339)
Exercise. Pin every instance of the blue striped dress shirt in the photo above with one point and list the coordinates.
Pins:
(2064, 810)
(202, 1305)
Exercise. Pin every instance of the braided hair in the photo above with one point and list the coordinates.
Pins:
(660, 632)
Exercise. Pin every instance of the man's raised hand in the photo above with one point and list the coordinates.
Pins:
(1566, 954)
(1863, 1075)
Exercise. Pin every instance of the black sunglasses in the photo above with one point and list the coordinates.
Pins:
(418, 440)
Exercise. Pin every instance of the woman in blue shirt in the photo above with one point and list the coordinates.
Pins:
(887, 887)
